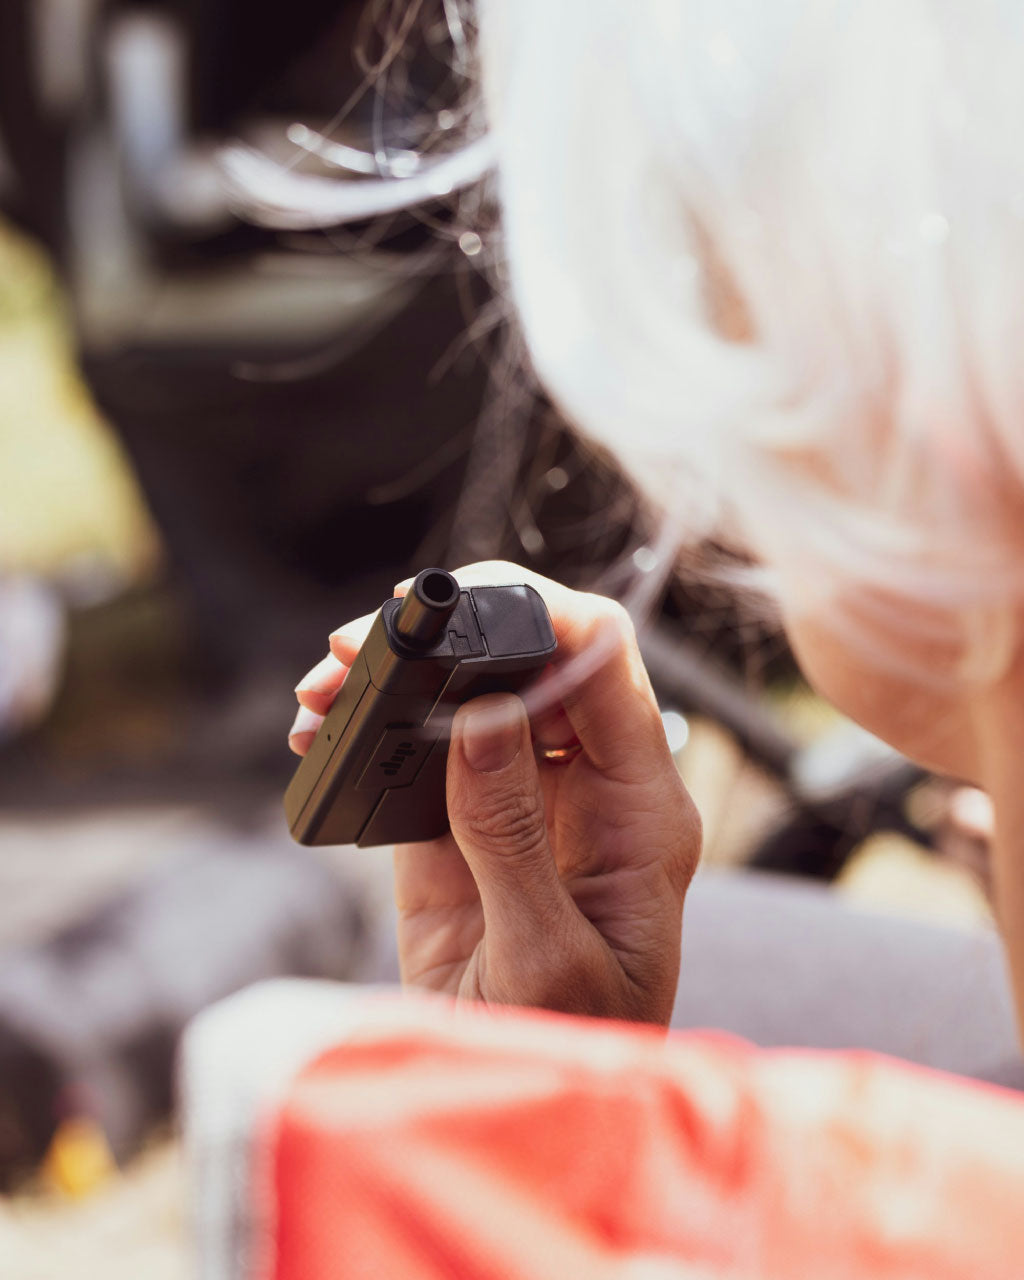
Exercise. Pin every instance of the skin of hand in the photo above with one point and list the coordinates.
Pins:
(560, 885)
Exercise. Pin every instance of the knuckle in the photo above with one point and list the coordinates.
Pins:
(509, 822)
(618, 614)
(611, 613)
(610, 625)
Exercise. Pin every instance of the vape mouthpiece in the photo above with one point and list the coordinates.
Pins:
(423, 615)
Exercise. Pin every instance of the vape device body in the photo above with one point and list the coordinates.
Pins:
(375, 773)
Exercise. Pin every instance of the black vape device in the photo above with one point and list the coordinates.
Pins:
(375, 772)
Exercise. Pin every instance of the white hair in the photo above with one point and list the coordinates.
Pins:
(778, 246)
(783, 241)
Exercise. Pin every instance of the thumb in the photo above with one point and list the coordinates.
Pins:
(496, 811)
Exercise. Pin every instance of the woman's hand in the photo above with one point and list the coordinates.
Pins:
(561, 882)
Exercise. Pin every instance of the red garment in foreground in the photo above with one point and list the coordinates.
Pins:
(431, 1142)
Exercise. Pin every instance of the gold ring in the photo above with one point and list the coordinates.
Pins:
(560, 755)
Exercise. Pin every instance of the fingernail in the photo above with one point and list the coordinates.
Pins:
(306, 721)
(492, 733)
(344, 649)
(321, 678)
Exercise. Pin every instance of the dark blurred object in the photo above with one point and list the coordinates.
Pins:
(279, 397)
(29, 1105)
(90, 1017)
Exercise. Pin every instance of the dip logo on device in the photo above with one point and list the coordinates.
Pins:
(404, 751)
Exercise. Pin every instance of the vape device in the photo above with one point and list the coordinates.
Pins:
(375, 772)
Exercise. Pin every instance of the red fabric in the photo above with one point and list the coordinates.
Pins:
(497, 1146)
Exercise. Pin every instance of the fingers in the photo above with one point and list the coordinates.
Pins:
(304, 730)
(346, 642)
(496, 812)
(598, 677)
(552, 729)
(319, 687)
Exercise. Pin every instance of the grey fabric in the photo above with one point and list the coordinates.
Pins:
(787, 962)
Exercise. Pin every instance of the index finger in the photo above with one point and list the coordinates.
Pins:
(345, 641)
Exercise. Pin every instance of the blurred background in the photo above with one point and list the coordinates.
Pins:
(218, 442)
